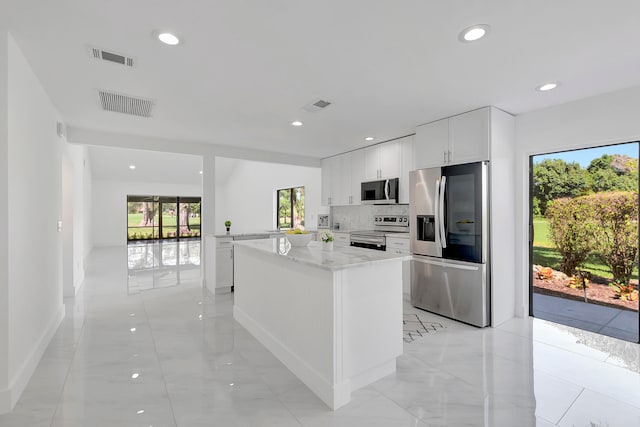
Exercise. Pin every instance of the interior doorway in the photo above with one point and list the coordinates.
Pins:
(584, 239)
(163, 217)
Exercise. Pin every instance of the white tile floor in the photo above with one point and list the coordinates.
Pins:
(194, 366)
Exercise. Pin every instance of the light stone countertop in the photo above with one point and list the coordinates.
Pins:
(314, 255)
(257, 233)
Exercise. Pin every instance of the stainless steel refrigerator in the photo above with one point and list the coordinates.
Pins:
(450, 239)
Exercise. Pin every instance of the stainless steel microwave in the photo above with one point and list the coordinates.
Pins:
(383, 192)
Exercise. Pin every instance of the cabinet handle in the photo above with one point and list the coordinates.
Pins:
(449, 156)
(445, 156)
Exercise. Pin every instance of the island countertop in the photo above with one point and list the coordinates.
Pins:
(339, 259)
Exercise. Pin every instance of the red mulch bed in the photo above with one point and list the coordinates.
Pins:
(597, 293)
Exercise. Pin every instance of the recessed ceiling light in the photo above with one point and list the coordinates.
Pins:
(135, 375)
(473, 33)
(132, 167)
(296, 123)
(547, 86)
(168, 38)
(369, 138)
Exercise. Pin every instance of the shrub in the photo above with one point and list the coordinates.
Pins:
(571, 228)
(616, 235)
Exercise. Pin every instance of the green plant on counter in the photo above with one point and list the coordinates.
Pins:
(326, 237)
(227, 223)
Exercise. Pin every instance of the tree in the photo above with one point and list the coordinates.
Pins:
(616, 235)
(554, 179)
(184, 219)
(147, 214)
(613, 173)
(571, 228)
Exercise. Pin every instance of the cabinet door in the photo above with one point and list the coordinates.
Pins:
(371, 163)
(341, 239)
(341, 179)
(469, 137)
(224, 266)
(357, 175)
(432, 144)
(390, 154)
(326, 181)
(407, 147)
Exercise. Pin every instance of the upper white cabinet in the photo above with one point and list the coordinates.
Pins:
(407, 146)
(383, 161)
(432, 144)
(341, 178)
(357, 175)
(460, 139)
(469, 137)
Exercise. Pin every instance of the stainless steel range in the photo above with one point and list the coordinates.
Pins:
(382, 225)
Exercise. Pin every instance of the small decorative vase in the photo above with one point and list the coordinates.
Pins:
(228, 230)
(327, 246)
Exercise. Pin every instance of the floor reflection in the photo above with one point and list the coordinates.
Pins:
(160, 264)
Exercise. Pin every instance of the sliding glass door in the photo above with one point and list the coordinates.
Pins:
(584, 239)
(161, 217)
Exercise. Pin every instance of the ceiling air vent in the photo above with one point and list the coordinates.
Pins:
(317, 105)
(126, 104)
(116, 58)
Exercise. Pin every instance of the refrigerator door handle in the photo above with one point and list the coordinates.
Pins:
(443, 235)
(436, 215)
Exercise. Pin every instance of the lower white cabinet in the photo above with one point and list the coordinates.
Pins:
(400, 245)
(224, 264)
(341, 239)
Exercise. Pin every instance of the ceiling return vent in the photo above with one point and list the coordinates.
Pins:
(125, 104)
(116, 58)
(317, 105)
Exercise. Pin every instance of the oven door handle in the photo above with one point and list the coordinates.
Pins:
(371, 240)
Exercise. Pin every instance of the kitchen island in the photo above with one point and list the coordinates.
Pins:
(333, 318)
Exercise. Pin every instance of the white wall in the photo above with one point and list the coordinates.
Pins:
(606, 119)
(76, 195)
(109, 206)
(245, 193)
(35, 306)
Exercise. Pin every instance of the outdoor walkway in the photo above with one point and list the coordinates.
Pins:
(609, 321)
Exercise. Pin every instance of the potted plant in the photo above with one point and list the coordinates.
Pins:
(327, 240)
(227, 224)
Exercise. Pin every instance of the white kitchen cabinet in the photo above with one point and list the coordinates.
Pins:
(341, 178)
(432, 144)
(400, 245)
(371, 163)
(469, 137)
(460, 139)
(340, 190)
(357, 175)
(407, 146)
(341, 239)
(327, 173)
(224, 263)
(382, 161)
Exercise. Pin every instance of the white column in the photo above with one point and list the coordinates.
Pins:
(5, 400)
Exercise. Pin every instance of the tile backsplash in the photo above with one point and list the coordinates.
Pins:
(361, 217)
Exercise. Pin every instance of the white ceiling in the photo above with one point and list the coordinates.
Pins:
(112, 164)
(247, 67)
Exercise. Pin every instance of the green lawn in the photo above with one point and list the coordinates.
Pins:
(545, 253)
(168, 225)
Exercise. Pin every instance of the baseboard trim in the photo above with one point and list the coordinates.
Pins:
(9, 397)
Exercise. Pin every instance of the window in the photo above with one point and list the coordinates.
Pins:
(290, 211)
